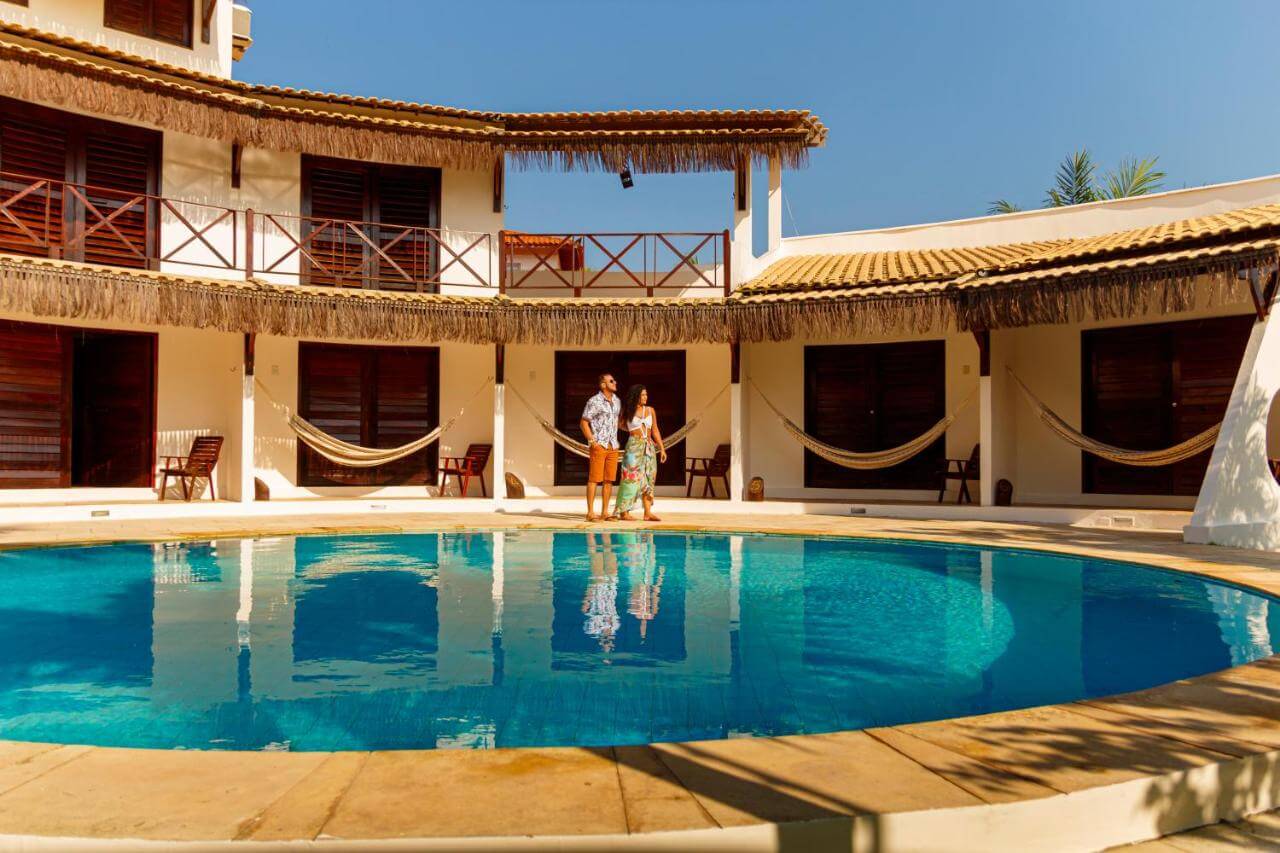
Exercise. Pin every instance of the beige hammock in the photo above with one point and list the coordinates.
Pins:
(1139, 458)
(865, 461)
(353, 455)
(580, 448)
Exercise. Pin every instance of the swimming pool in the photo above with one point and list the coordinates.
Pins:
(539, 638)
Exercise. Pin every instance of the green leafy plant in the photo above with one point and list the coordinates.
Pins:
(1077, 182)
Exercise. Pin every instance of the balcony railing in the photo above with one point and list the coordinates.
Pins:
(660, 263)
(79, 222)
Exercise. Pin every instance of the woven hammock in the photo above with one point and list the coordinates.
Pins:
(865, 461)
(1138, 458)
(353, 455)
(580, 448)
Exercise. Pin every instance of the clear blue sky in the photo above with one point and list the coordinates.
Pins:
(934, 108)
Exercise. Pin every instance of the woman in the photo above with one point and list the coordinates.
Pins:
(640, 459)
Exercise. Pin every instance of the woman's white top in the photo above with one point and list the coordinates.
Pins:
(645, 423)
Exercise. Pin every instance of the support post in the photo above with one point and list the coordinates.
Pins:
(237, 158)
(986, 421)
(245, 491)
(737, 425)
(774, 218)
(499, 457)
(1239, 500)
(499, 183)
(740, 248)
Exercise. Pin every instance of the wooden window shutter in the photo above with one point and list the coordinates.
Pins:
(171, 20)
(35, 406)
(405, 407)
(329, 396)
(123, 165)
(333, 193)
(128, 15)
(39, 150)
(405, 198)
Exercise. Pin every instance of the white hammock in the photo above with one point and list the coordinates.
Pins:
(1138, 458)
(580, 448)
(865, 461)
(353, 455)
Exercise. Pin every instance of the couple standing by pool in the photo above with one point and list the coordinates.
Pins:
(604, 416)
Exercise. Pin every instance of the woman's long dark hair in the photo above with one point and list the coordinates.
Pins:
(633, 399)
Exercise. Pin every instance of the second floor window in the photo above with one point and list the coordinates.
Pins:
(163, 20)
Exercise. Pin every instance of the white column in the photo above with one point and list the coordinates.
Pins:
(740, 234)
(1239, 501)
(499, 457)
(986, 441)
(775, 203)
(247, 469)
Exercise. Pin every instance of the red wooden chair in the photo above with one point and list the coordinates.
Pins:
(709, 467)
(466, 467)
(963, 470)
(199, 462)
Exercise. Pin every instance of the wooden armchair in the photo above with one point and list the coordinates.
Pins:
(466, 467)
(963, 470)
(708, 467)
(199, 462)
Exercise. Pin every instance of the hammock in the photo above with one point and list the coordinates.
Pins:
(353, 455)
(580, 448)
(1140, 458)
(871, 460)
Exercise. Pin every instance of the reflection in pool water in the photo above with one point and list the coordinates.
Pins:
(540, 638)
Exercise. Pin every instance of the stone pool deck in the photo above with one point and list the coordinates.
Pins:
(1077, 776)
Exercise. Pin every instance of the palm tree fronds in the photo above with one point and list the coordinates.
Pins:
(1002, 205)
(1074, 182)
(1133, 177)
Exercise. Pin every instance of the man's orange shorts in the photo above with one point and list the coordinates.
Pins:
(604, 464)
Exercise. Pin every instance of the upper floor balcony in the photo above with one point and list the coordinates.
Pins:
(116, 227)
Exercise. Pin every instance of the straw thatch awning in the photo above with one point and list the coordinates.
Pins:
(48, 68)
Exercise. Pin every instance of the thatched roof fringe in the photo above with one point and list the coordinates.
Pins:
(79, 292)
(658, 156)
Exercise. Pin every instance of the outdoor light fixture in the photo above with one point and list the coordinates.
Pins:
(625, 175)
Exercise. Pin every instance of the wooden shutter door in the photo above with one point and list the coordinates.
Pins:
(663, 373)
(330, 378)
(912, 386)
(123, 165)
(406, 407)
(1207, 356)
(36, 149)
(406, 197)
(839, 403)
(114, 417)
(1128, 403)
(334, 191)
(35, 406)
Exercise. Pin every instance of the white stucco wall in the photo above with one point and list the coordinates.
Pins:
(83, 20)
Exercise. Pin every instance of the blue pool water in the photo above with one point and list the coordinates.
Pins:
(539, 638)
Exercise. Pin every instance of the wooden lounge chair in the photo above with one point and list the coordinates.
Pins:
(199, 462)
(963, 470)
(709, 467)
(466, 467)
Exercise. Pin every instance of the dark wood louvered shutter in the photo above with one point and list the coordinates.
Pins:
(128, 15)
(1150, 387)
(406, 407)
(123, 166)
(334, 193)
(374, 397)
(171, 20)
(869, 397)
(404, 197)
(164, 20)
(35, 406)
(114, 418)
(31, 148)
(662, 372)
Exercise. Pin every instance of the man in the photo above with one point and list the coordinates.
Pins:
(600, 424)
